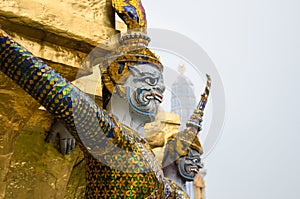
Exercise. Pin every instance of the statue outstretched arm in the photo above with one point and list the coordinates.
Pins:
(89, 124)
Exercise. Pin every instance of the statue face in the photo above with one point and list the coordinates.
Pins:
(190, 165)
(144, 91)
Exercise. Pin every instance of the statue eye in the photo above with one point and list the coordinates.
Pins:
(151, 81)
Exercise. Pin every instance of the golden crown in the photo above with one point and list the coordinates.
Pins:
(132, 48)
(131, 51)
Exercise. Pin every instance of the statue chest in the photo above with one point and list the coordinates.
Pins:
(129, 170)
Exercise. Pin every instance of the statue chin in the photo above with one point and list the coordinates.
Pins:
(141, 107)
(146, 114)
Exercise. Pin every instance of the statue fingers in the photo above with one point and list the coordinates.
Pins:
(63, 146)
(69, 145)
(73, 143)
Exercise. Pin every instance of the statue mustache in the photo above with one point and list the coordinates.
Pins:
(144, 94)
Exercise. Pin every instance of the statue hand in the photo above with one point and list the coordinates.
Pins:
(66, 140)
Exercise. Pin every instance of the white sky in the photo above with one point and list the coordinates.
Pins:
(256, 47)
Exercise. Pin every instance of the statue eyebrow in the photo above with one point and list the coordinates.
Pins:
(143, 73)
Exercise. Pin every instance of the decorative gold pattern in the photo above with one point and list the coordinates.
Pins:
(116, 67)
